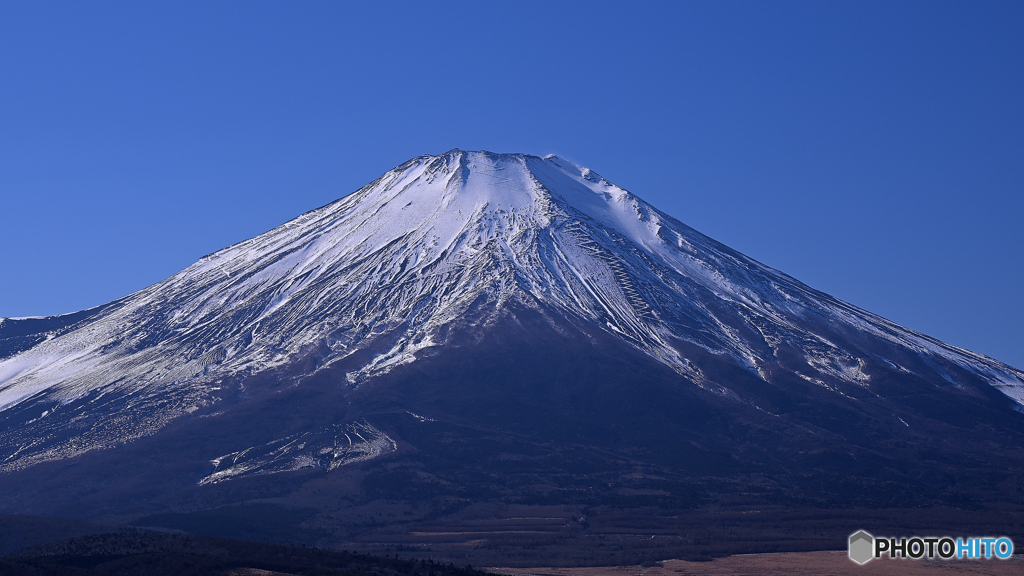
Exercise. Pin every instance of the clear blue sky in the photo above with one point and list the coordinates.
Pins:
(874, 151)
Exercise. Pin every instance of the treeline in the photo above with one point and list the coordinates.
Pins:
(184, 555)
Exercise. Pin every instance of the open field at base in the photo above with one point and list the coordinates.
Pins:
(829, 563)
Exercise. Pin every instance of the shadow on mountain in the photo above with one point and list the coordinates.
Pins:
(538, 442)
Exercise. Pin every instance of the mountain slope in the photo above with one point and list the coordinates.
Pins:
(390, 266)
(479, 297)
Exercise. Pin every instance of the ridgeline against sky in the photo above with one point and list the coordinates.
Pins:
(871, 150)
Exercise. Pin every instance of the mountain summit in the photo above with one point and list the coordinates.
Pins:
(498, 292)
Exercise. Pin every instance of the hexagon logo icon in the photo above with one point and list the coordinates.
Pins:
(861, 547)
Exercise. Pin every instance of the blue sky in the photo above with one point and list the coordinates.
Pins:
(874, 151)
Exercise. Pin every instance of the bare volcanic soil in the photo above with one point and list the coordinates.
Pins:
(788, 564)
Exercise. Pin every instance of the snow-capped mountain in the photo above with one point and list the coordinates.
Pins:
(438, 248)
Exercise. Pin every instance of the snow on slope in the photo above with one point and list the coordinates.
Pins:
(326, 448)
(409, 254)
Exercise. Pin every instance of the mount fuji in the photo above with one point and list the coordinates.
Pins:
(474, 332)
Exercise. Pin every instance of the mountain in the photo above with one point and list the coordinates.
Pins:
(491, 330)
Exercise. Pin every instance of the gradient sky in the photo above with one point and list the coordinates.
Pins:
(874, 151)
